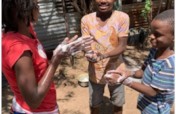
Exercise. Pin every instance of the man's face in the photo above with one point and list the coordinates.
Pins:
(104, 5)
(161, 34)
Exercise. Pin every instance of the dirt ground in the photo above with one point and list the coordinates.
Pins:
(72, 98)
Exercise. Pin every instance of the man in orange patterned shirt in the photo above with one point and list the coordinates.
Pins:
(110, 31)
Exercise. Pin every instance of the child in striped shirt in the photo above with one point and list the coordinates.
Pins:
(157, 87)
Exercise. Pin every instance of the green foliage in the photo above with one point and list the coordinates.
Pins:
(147, 8)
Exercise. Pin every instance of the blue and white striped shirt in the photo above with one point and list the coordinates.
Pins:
(159, 74)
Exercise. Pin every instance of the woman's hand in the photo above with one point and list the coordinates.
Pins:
(62, 49)
(72, 46)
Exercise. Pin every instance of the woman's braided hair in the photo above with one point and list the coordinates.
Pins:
(15, 10)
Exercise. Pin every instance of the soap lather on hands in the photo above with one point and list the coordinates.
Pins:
(73, 46)
(94, 56)
(120, 75)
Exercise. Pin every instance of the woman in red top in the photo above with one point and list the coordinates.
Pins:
(24, 61)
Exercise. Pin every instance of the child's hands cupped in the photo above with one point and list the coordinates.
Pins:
(112, 76)
(122, 69)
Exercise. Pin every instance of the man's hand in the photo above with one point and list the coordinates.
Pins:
(86, 43)
(94, 56)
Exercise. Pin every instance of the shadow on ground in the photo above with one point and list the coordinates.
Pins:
(107, 106)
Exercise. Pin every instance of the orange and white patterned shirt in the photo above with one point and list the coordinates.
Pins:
(105, 40)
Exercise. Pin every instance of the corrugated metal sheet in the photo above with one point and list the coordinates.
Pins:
(57, 20)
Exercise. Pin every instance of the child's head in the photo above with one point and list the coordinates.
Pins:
(104, 5)
(162, 30)
(15, 11)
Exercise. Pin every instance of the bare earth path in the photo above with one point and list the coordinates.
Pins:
(74, 100)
